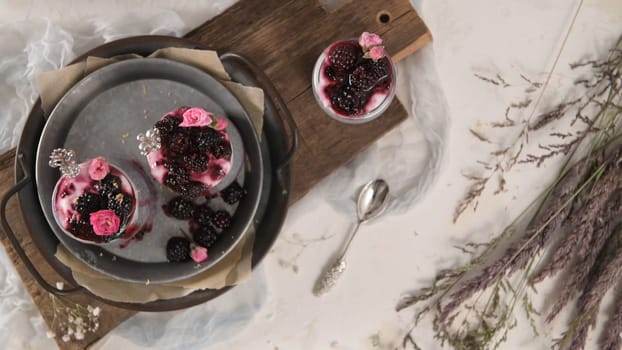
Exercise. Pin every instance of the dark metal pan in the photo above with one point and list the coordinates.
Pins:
(96, 118)
(276, 149)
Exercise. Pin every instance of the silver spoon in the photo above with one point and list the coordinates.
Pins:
(373, 200)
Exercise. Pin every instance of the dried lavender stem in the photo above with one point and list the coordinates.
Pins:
(535, 237)
(610, 219)
(581, 225)
(611, 339)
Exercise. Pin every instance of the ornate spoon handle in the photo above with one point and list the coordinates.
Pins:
(328, 279)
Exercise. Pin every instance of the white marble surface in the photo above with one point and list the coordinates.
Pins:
(400, 252)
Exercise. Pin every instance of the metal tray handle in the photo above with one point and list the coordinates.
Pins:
(281, 108)
(26, 179)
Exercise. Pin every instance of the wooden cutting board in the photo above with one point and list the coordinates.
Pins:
(284, 38)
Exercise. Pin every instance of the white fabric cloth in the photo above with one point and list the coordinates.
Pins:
(423, 161)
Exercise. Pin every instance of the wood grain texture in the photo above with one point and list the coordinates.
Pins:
(284, 38)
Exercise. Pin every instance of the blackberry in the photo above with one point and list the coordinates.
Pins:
(179, 143)
(167, 126)
(192, 189)
(196, 161)
(82, 229)
(205, 138)
(367, 75)
(333, 74)
(380, 68)
(233, 193)
(180, 208)
(221, 219)
(344, 56)
(348, 100)
(109, 186)
(221, 150)
(177, 249)
(121, 204)
(205, 236)
(203, 215)
(87, 203)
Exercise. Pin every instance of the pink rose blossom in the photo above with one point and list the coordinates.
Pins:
(105, 222)
(198, 253)
(196, 117)
(98, 168)
(376, 53)
(368, 40)
(221, 124)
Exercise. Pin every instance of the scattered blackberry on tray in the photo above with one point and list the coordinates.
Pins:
(205, 236)
(233, 193)
(221, 219)
(192, 190)
(88, 203)
(178, 249)
(180, 208)
(203, 215)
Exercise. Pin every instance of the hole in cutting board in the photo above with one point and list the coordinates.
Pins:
(332, 5)
(384, 17)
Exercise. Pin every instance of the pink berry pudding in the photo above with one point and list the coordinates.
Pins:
(354, 79)
(195, 152)
(96, 205)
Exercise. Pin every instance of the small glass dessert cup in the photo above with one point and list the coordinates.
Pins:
(354, 80)
(193, 152)
(93, 202)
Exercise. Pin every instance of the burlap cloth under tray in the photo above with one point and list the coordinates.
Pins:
(234, 268)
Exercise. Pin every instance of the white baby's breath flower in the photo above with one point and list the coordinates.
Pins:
(96, 311)
(65, 338)
(69, 331)
(70, 318)
(60, 285)
(79, 335)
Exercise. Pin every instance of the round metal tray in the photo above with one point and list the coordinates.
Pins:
(96, 118)
(279, 141)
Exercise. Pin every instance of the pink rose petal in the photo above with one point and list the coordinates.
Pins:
(376, 53)
(105, 222)
(98, 168)
(368, 40)
(221, 124)
(196, 117)
(198, 253)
